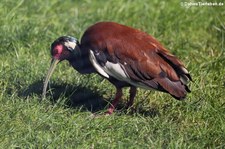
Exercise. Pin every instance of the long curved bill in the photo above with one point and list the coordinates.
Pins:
(54, 62)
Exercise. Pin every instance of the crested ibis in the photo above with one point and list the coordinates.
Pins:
(125, 56)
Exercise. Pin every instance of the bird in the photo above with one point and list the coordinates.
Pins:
(126, 57)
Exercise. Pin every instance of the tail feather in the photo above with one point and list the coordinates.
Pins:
(177, 89)
(177, 66)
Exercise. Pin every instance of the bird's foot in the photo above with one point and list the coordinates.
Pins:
(98, 115)
(109, 111)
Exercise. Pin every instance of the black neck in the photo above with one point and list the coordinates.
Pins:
(80, 61)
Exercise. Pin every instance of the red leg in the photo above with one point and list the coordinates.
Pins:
(118, 96)
(133, 91)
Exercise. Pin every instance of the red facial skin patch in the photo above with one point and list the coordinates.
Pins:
(57, 51)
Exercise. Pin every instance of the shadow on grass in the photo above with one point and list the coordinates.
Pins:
(75, 96)
(81, 96)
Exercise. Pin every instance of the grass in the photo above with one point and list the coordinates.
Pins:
(195, 34)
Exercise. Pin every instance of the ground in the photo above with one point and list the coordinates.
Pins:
(195, 34)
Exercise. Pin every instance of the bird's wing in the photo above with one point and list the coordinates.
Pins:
(133, 56)
(145, 60)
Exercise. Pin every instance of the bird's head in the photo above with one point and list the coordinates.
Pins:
(63, 48)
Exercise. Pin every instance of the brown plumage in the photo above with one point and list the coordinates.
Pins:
(127, 57)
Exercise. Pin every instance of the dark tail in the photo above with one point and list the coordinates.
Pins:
(176, 89)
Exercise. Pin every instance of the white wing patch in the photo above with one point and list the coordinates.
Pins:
(116, 71)
(96, 65)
